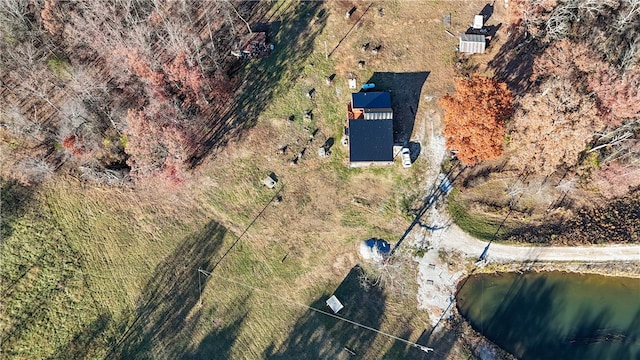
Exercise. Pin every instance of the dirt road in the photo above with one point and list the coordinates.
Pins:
(456, 239)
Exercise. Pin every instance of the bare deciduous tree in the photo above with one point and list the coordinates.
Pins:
(21, 126)
(627, 15)
(552, 127)
(33, 170)
(13, 17)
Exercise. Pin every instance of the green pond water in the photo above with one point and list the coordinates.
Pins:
(555, 315)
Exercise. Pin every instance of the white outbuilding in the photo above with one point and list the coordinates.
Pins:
(472, 43)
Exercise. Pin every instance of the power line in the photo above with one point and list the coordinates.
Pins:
(247, 228)
(418, 346)
(238, 239)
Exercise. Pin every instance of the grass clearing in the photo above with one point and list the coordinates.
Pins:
(60, 66)
(479, 225)
(476, 225)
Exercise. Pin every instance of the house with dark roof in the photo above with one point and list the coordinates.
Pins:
(370, 129)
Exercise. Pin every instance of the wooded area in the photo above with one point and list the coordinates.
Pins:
(573, 67)
(114, 90)
(580, 114)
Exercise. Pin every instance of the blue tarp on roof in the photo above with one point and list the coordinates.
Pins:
(371, 100)
(371, 140)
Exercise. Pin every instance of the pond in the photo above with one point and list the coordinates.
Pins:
(555, 315)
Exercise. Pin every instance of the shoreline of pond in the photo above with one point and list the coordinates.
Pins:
(485, 345)
(630, 270)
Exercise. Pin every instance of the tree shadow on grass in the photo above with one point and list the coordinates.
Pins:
(318, 336)
(261, 80)
(405, 91)
(614, 222)
(87, 341)
(217, 344)
(15, 199)
(162, 322)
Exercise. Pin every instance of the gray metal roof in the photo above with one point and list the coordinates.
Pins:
(472, 43)
(378, 114)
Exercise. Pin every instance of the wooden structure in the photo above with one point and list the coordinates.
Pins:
(253, 45)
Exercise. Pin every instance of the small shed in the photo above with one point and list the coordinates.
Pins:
(334, 304)
(472, 44)
(270, 181)
(478, 22)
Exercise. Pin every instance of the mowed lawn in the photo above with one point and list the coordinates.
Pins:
(93, 272)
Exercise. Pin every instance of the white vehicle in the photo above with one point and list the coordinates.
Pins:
(406, 157)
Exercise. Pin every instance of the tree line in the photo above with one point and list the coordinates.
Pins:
(113, 90)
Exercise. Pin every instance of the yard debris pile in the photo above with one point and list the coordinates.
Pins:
(253, 45)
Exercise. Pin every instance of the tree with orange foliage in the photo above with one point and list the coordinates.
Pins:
(474, 120)
(187, 78)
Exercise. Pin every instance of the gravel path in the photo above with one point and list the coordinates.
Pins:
(456, 239)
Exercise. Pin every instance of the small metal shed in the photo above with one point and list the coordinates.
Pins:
(334, 304)
(478, 22)
(472, 44)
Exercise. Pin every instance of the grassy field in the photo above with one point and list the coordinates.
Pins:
(95, 272)
(85, 273)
